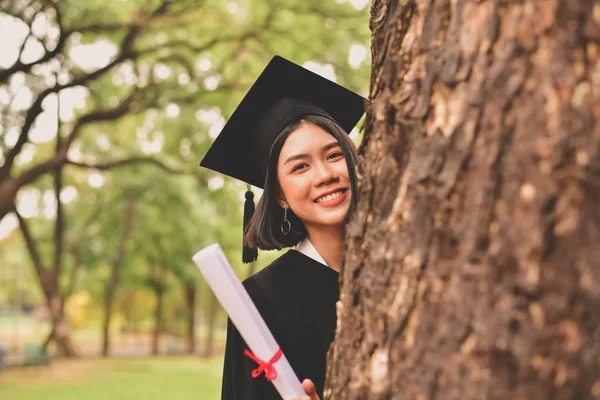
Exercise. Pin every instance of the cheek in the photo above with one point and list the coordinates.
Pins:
(296, 188)
(289, 186)
(342, 169)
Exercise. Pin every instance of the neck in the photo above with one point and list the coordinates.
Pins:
(329, 242)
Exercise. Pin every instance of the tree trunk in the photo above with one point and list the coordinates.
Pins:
(8, 193)
(61, 330)
(157, 320)
(159, 288)
(190, 300)
(113, 281)
(49, 282)
(212, 319)
(471, 269)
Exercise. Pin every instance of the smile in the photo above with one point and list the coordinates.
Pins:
(330, 197)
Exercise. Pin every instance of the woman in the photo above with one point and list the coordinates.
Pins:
(292, 127)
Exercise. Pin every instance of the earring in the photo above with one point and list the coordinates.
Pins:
(286, 225)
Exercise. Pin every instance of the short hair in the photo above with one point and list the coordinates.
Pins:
(264, 228)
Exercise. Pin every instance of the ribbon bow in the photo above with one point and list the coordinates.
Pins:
(270, 371)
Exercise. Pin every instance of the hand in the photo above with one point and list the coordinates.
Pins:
(310, 389)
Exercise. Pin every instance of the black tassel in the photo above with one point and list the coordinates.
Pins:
(249, 254)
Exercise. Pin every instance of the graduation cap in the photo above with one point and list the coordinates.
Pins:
(284, 92)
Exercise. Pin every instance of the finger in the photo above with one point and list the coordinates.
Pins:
(310, 389)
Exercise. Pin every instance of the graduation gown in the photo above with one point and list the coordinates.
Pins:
(296, 297)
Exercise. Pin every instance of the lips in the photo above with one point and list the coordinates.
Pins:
(331, 196)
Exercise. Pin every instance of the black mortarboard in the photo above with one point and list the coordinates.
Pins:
(284, 92)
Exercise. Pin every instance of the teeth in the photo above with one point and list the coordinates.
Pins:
(329, 197)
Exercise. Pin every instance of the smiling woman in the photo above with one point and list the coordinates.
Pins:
(316, 159)
(315, 182)
(290, 137)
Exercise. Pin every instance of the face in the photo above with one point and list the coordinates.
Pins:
(313, 177)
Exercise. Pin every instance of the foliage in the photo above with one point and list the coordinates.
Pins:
(144, 87)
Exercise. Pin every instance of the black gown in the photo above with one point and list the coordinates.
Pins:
(296, 297)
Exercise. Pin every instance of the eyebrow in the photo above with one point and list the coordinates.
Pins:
(304, 155)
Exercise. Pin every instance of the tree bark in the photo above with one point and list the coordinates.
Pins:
(113, 281)
(471, 268)
(190, 289)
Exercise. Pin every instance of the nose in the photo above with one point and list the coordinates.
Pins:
(324, 174)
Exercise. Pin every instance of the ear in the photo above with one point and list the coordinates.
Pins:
(281, 201)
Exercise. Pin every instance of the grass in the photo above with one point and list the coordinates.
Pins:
(171, 378)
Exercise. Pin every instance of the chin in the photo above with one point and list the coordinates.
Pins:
(332, 220)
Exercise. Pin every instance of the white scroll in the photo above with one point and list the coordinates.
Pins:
(243, 313)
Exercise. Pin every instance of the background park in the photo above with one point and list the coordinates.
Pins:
(106, 108)
(470, 263)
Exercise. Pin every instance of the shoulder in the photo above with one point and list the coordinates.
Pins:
(274, 272)
(260, 285)
(264, 288)
(274, 282)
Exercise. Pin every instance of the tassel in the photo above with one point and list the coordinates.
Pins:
(249, 254)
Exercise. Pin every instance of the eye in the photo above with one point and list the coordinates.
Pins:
(336, 155)
(299, 167)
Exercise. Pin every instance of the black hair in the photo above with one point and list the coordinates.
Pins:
(264, 229)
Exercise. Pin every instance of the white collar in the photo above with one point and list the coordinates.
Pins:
(306, 247)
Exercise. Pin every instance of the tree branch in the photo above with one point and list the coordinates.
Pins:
(22, 47)
(74, 272)
(110, 114)
(124, 162)
(32, 247)
(251, 34)
(74, 248)
(36, 171)
(129, 218)
(59, 224)
(98, 27)
(316, 10)
(19, 66)
(88, 221)
(36, 108)
(30, 117)
(61, 155)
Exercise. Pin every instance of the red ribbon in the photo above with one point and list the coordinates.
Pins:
(270, 371)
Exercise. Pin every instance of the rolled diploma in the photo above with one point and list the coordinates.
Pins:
(243, 313)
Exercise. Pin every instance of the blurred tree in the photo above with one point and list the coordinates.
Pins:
(138, 84)
(150, 48)
(113, 280)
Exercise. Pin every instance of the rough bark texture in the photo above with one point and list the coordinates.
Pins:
(472, 263)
